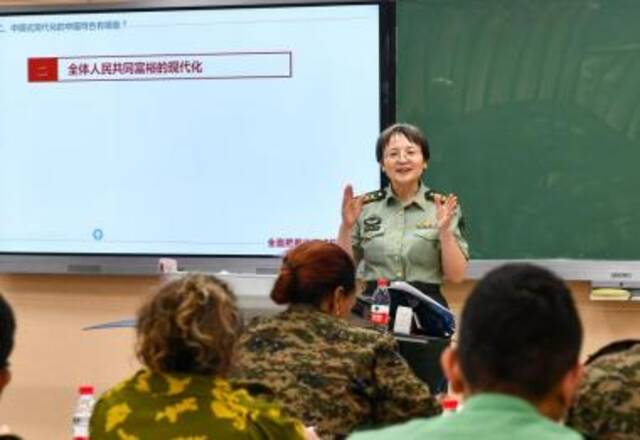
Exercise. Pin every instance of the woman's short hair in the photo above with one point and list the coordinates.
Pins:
(411, 132)
(311, 272)
(189, 326)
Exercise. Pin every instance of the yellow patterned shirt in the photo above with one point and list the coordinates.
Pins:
(186, 407)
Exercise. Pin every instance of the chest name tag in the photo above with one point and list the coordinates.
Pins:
(372, 223)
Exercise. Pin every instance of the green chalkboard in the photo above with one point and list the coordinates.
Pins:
(532, 109)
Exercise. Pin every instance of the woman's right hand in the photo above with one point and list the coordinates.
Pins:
(351, 207)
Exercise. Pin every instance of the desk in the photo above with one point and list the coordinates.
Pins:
(422, 353)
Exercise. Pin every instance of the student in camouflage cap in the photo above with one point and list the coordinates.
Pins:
(186, 338)
(328, 372)
(608, 402)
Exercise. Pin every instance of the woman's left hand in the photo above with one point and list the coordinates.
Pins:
(445, 210)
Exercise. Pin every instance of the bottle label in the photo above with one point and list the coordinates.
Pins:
(380, 314)
(82, 416)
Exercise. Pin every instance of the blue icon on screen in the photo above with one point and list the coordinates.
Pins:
(97, 234)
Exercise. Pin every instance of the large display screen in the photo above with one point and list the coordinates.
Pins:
(185, 131)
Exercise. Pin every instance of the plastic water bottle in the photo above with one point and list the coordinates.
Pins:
(380, 301)
(82, 413)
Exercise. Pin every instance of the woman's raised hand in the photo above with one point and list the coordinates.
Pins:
(445, 210)
(351, 207)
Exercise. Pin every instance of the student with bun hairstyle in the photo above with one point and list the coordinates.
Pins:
(317, 274)
(322, 369)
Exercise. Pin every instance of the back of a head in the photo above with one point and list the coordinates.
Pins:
(7, 331)
(190, 326)
(519, 333)
(311, 271)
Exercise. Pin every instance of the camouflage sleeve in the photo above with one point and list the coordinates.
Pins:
(400, 394)
(457, 225)
(608, 401)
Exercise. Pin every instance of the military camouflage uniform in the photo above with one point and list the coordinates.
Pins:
(186, 407)
(608, 403)
(329, 373)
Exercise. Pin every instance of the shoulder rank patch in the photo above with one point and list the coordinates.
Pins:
(373, 196)
(430, 195)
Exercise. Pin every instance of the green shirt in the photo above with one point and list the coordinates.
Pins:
(484, 416)
(402, 242)
(186, 407)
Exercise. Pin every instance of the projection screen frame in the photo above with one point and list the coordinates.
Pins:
(144, 264)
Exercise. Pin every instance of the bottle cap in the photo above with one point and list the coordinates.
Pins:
(383, 282)
(86, 389)
(449, 404)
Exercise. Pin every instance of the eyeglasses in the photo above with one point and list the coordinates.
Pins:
(410, 154)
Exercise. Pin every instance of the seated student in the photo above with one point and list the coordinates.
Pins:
(186, 336)
(321, 368)
(516, 362)
(608, 402)
(7, 331)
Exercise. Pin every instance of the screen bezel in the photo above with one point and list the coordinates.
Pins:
(145, 263)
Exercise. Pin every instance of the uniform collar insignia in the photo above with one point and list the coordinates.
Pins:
(419, 199)
(422, 197)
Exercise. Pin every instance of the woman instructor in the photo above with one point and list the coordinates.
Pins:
(404, 232)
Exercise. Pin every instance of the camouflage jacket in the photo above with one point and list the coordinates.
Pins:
(329, 373)
(186, 407)
(608, 402)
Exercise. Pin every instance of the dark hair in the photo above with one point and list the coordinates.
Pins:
(612, 348)
(519, 332)
(7, 331)
(190, 326)
(412, 133)
(312, 271)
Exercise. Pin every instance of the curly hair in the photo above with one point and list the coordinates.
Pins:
(190, 326)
